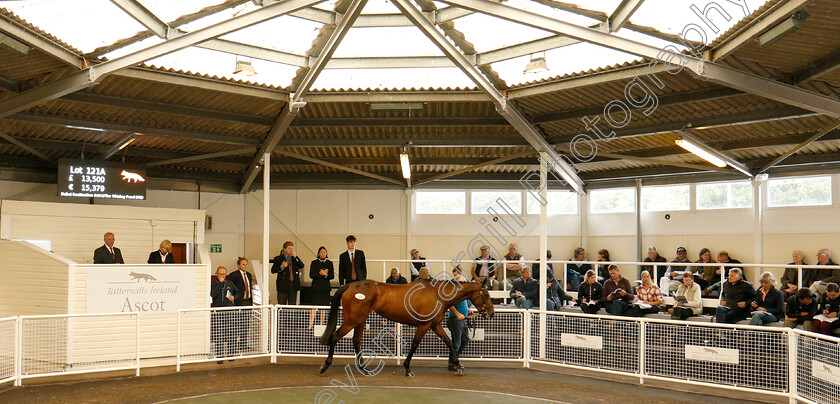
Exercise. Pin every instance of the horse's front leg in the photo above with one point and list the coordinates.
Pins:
(454, 363)
(357, 347)
(418, 336)
(334, 338)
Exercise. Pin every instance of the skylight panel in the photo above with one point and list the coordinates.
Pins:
(284, 33)
(487, 32)
(674, 16)
(392, 78)
(386, 41)
(220, 64)
(169, 10)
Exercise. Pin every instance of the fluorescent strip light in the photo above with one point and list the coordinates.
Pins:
(782, 29)
(406, 168)
(699, 152)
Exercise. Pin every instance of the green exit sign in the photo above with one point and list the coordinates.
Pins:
(215, 248)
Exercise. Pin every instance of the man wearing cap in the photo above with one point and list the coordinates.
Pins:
(485, 268)
(674, 275)
(417, 263)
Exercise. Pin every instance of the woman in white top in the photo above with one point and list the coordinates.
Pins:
(693, 304)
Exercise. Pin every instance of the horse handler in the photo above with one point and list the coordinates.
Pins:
(456, 322)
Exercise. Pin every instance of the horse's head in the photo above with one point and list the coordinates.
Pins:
(482, 301)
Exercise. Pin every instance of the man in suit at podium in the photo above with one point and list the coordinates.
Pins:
(162, 256)
(242, 280)
(108, 254)
(351, 263)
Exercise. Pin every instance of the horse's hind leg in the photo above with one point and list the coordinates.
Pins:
(334, 338)
(418, 336)
(357, 346)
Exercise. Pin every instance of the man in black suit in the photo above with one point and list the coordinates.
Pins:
(223, 322)
(351, 263)
(287, 266)
(108, 254)
(243, 280)
(162, 256)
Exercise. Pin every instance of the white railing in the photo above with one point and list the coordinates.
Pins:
(8, 350)
(225, 333)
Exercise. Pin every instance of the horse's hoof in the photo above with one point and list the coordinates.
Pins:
(324, 368)
(460, 372)
(409, 374)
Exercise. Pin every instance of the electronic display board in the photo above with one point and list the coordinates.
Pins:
(101, 179)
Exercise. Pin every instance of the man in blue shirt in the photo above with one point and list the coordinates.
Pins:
(456, 322)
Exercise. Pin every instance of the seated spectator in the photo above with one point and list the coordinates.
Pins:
(617, 294)
(705, 276)
(826, 321)
(801, 309)
(514, 262)
(673, 276)
(769, 303)
(652, 256)
(485, 268)
(603, 269)
(823, 277)
(735, 302)
(525, 290)
(396, 278)
(589, 295)
(649, 295)
(575, 271)
(790, 279)
(556, 297)
(723, 272)
(535, 269)
(417, 263)
(693, 302)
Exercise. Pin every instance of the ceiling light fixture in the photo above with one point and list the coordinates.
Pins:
(709, 153)
(536, 65)
(782, 29)
(406, 168)
(244, 68)
(699, 152)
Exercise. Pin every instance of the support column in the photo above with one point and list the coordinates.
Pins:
(639, 247)
(409, 226)
(758, 222)
(542, 296)
(266, 219)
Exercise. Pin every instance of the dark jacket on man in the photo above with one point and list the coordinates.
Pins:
(660, 268)
(345, 272)
(102, 256)
(741, 291)
(826, 275)
(154, 258)
(417, 266)
(236, 277)
(556, 293)
(399, 281)
(773, 302)
(284, 282)
(611, 286)
(833, 306)
(530, 289)
(795, 309)
(321, 283)
(219, 292)
(732, 263)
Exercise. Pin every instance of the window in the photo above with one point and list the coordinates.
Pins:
(45, 244)
(672, 197)
(441, 203)
(799, 191)
(481, 201)
(612, 200)
(725, 195)
(559, 203)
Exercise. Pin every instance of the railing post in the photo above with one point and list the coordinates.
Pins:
(274, 323)
(799, 278)
(642, 331)
(18, 351)
(399, 342)
(385, 271)
(793, 340)
(178, 341)
(526, 323)
(137, 340)
(566, 277)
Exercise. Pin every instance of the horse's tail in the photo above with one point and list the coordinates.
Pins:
(333, 319)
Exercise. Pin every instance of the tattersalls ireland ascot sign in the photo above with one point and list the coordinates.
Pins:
(100, 179)
(144, 289)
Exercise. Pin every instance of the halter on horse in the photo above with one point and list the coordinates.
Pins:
(421, 303)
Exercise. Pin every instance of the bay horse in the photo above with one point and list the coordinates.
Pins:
(422, 303)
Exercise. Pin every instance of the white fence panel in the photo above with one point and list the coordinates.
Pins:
(818, 368)
(222, 333)
(8, 349)
(502, 337)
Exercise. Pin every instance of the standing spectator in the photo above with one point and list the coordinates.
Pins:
(535, 269)
(707, 275)
(652, 256)
(287, 266)
(222, 292)
(485, 268)
(617, 294)
(826, 321)
(735, 302)
(801, 309)
(823, 277)
(163, 255)
(769, 303)
(673, 276)
(790, 279)
(589, 295)
(525, 290)
(108, 254)
(603, 269)
(396, 278)
(321, 272)
(574, 272)
(351, 263)
(513, 266)
(455, 321)
(723, 271)
(417, 262)
(243, 280)
(556, 297)
(693, 304)
(649, 295)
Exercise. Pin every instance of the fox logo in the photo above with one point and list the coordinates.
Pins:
(580, 337)
(711, 351)
(132, 177)
(827, 369)
(146, 277)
